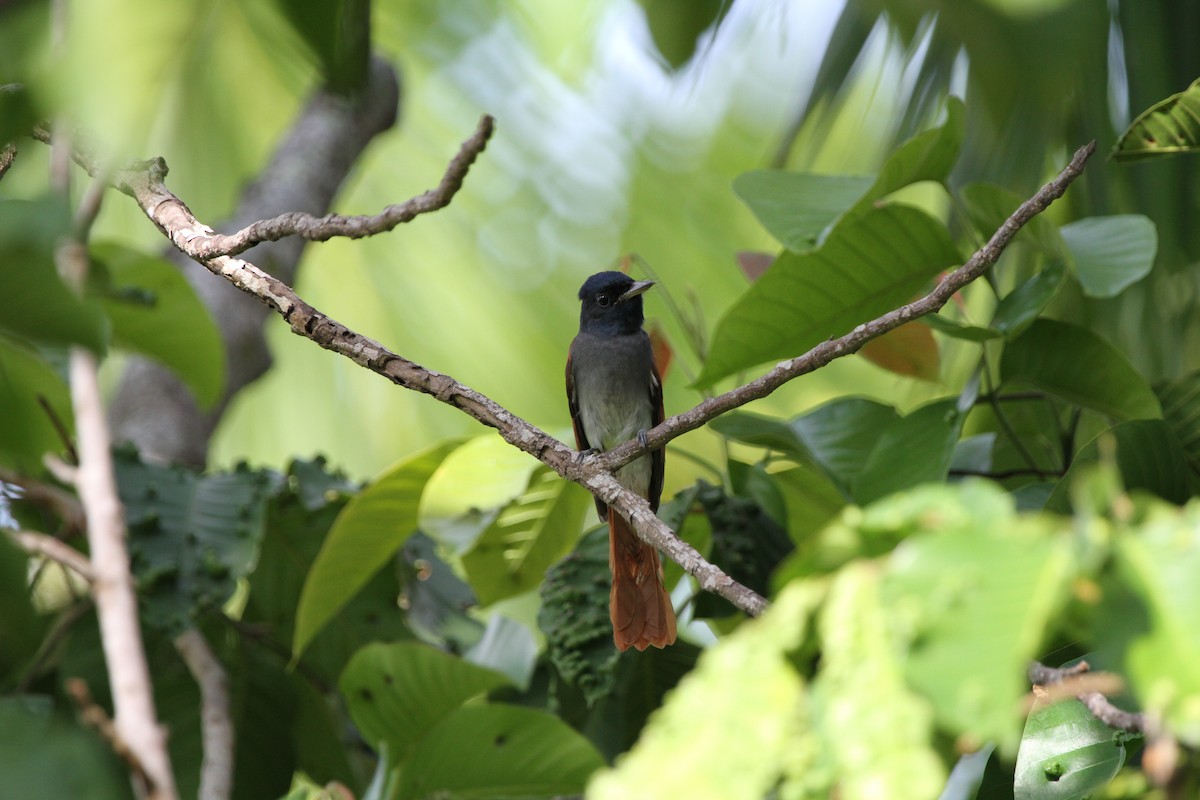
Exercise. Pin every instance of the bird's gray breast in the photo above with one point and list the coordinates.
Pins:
(613, 389)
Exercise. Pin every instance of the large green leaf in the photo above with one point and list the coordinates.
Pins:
(761, 431)
(796, 207)
(747, 684)
(368, 532)
(498, 751)
(1077, 365)
(861, 677)
(1167, 127)
(397, 692)
(35, 303)
(975, 586)
(916, 449)
(1148, 457)
(1111, 253)
(27, 432)
(470, 487)
(154, 311)
(989, 206)
(533, 532)
(191, 536)
(811, 499)
(841, 435)
(1160, 564)
(1066, 753)
(868, 265)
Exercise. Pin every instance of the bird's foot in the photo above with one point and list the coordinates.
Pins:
(580, 455)
(642, 440)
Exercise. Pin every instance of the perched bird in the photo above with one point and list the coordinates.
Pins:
(615, 394)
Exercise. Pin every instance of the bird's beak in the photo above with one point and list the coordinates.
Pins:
(637, 289)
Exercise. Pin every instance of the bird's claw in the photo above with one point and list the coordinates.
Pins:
(580, 455)
(642, 439)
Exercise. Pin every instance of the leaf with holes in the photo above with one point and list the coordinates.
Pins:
(1066, 753)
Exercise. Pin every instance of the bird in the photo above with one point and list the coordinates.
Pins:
(615, 394)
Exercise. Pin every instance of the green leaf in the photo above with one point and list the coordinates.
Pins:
(45, 756)
(975, 587)
(958, 330)
(397, 692)
(1169, 126)
(533, 532)
(1181, 409)
(735, 686)
(1148, 458)
(811, 498)
(1111, 253)
(1022, 305)
(928, 156)
(1066, 753)
(368, 532)
(867, 266)
(35, 303)
(796, 207)
(574, 617)
(470, 487)
(28, 432)
(1160, 563)
(678, 26)
(916, 449)
(154, 312)
(1077, 365)
(498, 751)
(761, 431)
(191, 536)
(862, 677)
(841, 435)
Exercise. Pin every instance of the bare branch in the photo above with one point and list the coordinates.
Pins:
(1090, 688)
(42, 545)
(8, 154)
(216, 724)
(95, 717)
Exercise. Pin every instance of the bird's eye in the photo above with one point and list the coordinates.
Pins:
(604, 301)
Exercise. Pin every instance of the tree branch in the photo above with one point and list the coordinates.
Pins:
(1090, 688)
(172, 216)
(39, 544)
(216, 723)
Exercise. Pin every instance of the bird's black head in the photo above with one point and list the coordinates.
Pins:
(611, 304)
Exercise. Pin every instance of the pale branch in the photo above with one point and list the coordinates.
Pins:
(1090, 688)
(216, 723)
(40, 544)
(852, 342)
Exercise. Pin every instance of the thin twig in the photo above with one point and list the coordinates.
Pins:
(48, 496)
(94, 716)
(216, 769)
(60, 428)
(59, 552)
(1090, 688)
(8, 154)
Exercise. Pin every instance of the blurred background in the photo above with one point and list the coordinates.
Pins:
(621, 125)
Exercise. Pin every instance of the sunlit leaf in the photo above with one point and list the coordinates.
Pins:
(1169, 126)
(1077, 365)
(796, 207)
(867, 266)
(730, 687)
(498, 751)
(397, 692)
(154, 311)
(908, 350)
(976, 586)
(368, 532)
(1160, 565)
(531, 533)
(862, 677)
(468, 489)
(1111, 253)
(1066, 753)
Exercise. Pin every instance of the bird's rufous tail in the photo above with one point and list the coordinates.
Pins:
(639, 604)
